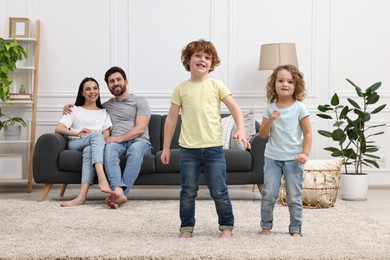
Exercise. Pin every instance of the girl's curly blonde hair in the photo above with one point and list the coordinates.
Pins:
(299, 93)
(199, 45)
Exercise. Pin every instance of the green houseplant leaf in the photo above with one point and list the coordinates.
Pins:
(351, 129)
(10, 121)
(10, 53)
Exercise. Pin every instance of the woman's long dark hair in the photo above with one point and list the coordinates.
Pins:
(80, 100)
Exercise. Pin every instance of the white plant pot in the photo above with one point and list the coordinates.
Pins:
(354, 186)
(12, 132)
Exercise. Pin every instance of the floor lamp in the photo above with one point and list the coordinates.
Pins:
(275, 54)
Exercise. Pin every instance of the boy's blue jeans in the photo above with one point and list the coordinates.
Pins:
(212, 162)
(135, 150)
(92, 146)
(293, 172)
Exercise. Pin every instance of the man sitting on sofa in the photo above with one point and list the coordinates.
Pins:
(130, 115)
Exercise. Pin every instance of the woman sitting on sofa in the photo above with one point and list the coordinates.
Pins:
(87, 126)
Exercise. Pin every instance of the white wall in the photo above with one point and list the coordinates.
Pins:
(335, 40)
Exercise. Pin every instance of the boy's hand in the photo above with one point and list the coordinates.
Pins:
(242, 139)
(165, 156)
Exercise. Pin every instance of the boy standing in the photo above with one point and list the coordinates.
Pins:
(199, 99)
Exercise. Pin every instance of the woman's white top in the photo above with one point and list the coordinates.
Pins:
(95, 120)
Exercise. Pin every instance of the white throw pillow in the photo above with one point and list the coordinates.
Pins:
(229, 128)
(250, 130)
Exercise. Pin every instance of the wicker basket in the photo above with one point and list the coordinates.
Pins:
(321, 183)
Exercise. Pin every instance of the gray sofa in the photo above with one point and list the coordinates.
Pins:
(53, 163)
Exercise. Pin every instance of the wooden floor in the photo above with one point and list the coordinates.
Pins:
(377, 206)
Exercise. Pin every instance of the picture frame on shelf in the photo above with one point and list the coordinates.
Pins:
(19, 27)
(11, 166)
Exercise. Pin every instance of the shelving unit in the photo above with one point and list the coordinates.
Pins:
(26, 74)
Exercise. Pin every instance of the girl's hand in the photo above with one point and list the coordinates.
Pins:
(84, 132)
(275, 114)
(302, 158)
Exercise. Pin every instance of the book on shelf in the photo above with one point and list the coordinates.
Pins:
(19, 96)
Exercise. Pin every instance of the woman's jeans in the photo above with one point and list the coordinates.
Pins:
(135, 150)
(212, 162)
(293, 172)
(92, 146)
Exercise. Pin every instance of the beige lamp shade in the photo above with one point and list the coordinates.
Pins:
(275, 54)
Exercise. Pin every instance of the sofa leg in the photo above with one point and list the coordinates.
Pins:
(260, 187)
(45, 191)
(63, 188)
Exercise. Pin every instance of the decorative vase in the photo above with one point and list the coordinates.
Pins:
(12, 132)
(354, 186)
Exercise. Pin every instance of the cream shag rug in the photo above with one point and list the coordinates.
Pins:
(148, 229)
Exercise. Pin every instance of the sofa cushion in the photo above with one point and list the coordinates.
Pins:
(238, 160)
(155, 132)
(173, 165)
(70, 161)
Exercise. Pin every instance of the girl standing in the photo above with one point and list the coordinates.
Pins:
(287, 125)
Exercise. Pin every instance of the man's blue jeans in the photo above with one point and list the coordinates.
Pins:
(293, 172)
(212, 161)
(135, 150)
(92, 146)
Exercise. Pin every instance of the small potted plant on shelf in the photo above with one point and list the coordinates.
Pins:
(10, 53)
(12, 126)
(353, 132)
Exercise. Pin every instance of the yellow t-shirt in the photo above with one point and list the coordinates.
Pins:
(200, 112)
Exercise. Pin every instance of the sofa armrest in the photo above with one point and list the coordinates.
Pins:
(45, 159)
(257, 151)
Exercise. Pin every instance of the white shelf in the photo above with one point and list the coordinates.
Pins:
(26, 75)
(20, 39)
(14, 141)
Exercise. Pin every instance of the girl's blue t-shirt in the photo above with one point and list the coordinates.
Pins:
(285, 140)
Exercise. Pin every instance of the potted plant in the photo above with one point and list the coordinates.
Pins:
(352, 132)
(10, 53)
(12, 126)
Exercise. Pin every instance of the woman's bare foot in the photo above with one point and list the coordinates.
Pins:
(226, 234)
(104, 186)
(186, 234)
(75, 202)
(265, 232)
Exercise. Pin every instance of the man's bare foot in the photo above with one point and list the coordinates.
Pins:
(117, 196)
(265, 232)
(296, 235)
(75, 202)
(226, 234)
(111, 204)
(104, 186)
(186, 234)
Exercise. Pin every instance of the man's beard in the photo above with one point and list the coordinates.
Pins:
(117, 91)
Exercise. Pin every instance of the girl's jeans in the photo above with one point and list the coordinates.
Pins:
(293, 172)
(135, 150)
(212, 162)
(92, 146)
